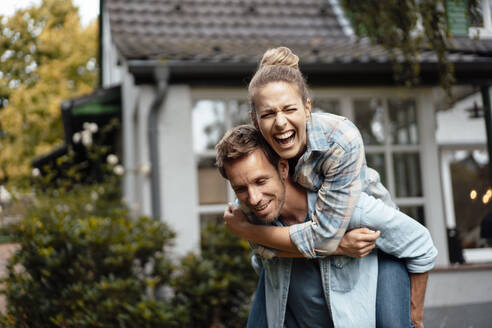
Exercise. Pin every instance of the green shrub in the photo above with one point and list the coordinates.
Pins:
(90, 272)
(83, 262)
(217, 285)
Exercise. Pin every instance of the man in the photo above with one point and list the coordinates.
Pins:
(333, 291)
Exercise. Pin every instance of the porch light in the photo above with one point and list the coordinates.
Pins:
(473, 194)
(486, 197)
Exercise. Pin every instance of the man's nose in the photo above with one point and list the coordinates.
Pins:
(280, 120)
(254, 196)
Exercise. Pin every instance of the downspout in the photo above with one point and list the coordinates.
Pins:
(487, 110)
(161, 75)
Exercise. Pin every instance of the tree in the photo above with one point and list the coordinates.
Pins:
(46, 57)
(404, 29)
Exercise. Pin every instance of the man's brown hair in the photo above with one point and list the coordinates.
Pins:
(239, 142)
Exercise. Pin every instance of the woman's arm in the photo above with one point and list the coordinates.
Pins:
(356, 243)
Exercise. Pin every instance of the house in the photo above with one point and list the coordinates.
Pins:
(184, 66)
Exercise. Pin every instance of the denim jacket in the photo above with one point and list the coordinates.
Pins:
(350, 284)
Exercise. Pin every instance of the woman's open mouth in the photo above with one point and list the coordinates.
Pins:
(286, 138)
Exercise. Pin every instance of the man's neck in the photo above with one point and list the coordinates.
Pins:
(295, 208)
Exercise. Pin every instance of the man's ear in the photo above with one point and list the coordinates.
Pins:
(283, 168)
(253, 118)
(307, 108)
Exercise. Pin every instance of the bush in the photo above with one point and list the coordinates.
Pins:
(83, 262)
(90, 272)
(217, 285)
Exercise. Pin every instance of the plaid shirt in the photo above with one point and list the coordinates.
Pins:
(334, 166)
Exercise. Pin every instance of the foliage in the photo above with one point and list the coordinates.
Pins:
(84, 263)
(217, 286)
(46, 56)
(405, 29)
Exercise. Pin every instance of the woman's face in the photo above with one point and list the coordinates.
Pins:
(281, 117)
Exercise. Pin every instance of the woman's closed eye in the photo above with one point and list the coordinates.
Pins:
(266, 115)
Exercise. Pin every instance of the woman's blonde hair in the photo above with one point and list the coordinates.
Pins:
(278, 64)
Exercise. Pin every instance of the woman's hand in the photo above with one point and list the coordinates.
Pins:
(358, 243)
(235, 220)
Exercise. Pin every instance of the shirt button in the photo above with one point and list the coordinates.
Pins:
(339, 265)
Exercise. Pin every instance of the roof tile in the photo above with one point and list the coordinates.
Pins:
(241, 30)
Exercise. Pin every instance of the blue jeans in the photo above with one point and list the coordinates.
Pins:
(393, 293)
(392, 299)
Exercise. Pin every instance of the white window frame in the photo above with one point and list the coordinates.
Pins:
(225, 95)
(346, 98)
(471, 255)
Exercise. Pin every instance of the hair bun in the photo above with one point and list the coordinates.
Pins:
(281, 56)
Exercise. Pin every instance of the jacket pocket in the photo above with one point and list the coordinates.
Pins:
(344, 273)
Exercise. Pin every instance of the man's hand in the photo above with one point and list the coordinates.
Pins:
(235, 220)
(357, 243)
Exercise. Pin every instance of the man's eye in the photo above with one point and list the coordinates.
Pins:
(292, 109)
(239, 189)
(266, 115)
(261, 181)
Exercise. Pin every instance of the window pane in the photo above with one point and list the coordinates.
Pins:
(208, 124)
(239, 111)
(326, 106)
(415, 212)
(376, 162)
(212, 187)
(369, 118)
(403, 122)
(472, 197)
(407, 174)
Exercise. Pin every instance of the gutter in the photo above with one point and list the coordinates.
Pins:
(360, 74)
(161, 76)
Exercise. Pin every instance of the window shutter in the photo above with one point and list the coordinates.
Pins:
(457, 15)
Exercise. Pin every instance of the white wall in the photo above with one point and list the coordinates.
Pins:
(455, 127)
(112, 74)
(458, 287)
(434, 211)
(178, 169)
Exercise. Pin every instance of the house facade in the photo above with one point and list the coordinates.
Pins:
(184, 67)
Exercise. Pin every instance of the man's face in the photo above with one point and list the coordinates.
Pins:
(258, 184)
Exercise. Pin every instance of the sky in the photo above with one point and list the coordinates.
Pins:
(88, 9)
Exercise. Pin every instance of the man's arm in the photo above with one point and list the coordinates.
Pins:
(418, 284)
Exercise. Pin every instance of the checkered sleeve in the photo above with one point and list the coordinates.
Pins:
(337, 197)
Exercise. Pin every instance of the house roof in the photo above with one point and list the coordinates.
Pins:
(239, 31)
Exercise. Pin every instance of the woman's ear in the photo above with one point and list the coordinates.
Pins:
(253, 118)
(307, 108)
(283, 169)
